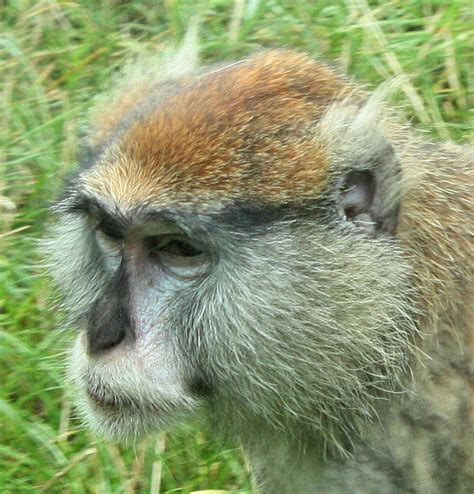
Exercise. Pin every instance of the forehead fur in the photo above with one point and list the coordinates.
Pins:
(242, 131)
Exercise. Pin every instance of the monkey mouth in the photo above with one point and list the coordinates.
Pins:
(105, 400)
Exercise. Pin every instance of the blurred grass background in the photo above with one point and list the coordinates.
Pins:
(55, 56)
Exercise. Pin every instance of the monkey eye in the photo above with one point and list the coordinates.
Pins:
(179, 247)
(175, 251)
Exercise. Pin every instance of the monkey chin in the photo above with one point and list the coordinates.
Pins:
(110, 402)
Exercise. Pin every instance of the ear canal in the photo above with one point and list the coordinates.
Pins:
(356, 196)
(370, 198)
(357, 193)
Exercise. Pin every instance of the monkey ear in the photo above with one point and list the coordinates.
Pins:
(368, 184)
(369, 196)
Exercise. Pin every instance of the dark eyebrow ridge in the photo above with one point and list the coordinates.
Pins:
(236, 215)
(112, 223)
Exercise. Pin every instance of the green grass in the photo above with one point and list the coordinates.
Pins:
(55, 55)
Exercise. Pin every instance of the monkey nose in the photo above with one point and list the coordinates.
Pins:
(108, 321)
(106, 331)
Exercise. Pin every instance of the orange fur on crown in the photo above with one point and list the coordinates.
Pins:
(235, 131)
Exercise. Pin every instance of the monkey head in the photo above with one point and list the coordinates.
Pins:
(229, 248)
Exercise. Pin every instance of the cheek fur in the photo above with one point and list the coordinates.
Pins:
(311, 335)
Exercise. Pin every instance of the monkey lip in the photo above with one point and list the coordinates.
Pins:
(105, 400)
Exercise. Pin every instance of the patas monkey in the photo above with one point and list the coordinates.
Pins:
(260, 244)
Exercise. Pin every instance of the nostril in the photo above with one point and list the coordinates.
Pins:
(105, 339)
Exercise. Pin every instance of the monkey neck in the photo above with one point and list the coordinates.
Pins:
(394, 455)
(435, 228)
(284, 464)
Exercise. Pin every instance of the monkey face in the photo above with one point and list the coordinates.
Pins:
(211, 254)
(223, 309)
(122, 283)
